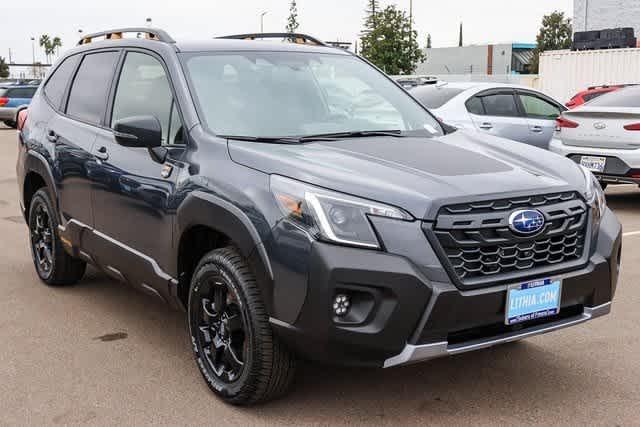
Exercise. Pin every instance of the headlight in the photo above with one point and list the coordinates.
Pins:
(331, 216)
(594, 194)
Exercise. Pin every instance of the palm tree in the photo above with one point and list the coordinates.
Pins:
(56, 44)
(45, 44)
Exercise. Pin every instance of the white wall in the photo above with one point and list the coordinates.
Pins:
(564, 73)
(602, 14)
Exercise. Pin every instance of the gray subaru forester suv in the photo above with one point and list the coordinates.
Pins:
(298, 203)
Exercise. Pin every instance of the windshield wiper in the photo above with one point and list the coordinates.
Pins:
(354, 134)
(270, 139)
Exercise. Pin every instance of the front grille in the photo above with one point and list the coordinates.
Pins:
(480, 247)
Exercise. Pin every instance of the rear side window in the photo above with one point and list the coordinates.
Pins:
(628, 97)
(90, 90)
(539, 108)
(501, 104)
(588, 97)
(57, 83)
(474, 106)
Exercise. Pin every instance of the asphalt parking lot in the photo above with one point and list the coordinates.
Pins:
(100, 353)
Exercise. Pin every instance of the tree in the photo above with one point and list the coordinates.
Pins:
(392, 44)
(4, 68)
(429, 41)
(292, 21)
(373, 8)
(555, 34)
(49, 45)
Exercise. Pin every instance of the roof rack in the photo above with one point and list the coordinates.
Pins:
(294, 37)
(149, 34)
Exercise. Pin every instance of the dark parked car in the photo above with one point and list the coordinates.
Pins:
(235, 180)
(13, 99)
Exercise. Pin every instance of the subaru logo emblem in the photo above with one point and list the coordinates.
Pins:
(526, 222)
(600, 125)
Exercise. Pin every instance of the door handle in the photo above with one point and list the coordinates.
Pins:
(486, 126)
(536, 129)
(52, 136)
(102, 153)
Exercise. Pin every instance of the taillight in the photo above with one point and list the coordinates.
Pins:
(22, 118)
(635, 126)
(561, 122)
(4, 101)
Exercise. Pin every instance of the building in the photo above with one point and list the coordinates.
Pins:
(591, 15)
(498, 59)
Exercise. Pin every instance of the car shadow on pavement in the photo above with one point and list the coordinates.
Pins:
(488, 383)
(624, 199)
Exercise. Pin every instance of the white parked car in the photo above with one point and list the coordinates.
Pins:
(510, 111)
(604, 136)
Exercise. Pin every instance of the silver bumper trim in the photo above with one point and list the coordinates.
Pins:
(419, 353)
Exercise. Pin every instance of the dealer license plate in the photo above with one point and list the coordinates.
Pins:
(533, 300)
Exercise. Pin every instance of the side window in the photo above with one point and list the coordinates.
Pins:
(539, 108)
(474, 106)
(143, 90)
(90, 90)
(57, 83)
(501, 104)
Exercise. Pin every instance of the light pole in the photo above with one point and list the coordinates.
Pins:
(262, 21)
(33, 55)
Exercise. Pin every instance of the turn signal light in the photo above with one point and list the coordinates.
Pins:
(635, 126)
(561, 122)
(4, 101)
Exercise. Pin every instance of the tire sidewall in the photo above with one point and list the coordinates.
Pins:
(41, 198)
(212, 267)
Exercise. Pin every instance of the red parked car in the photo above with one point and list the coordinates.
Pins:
(592, 93)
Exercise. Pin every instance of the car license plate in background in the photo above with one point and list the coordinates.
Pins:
(594, 164)
(533, 300)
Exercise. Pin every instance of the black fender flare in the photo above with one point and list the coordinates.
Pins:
(37, 163)
(206, 209)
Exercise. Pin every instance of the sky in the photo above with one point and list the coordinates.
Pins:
(485, 21)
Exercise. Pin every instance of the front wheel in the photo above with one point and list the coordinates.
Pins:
(235, 349)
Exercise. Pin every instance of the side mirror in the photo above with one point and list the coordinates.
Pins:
(138, 132)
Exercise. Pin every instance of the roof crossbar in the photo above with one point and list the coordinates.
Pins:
(149, 34)
(293, 37)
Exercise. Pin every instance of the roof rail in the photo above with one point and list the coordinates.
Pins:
(149, 34)
(294, 37)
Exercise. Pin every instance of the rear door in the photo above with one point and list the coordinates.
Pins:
(72, 132)
(496, 112)
(541, 113)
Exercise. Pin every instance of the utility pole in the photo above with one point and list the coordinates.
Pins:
(10, 61)
(33, 55)
(262, 21)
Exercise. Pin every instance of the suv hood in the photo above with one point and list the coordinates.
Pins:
(417, 174)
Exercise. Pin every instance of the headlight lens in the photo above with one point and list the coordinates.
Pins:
(594, 194)
(331, 216)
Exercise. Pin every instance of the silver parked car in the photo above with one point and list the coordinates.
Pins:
(604, 136)
(510, 111)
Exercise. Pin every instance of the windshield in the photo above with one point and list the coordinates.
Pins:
(278, 94)
(433, 96)
(627, 97)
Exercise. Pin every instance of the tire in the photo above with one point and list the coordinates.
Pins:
(11, 124)
(54, 266)
(604, 185)
(238, 356)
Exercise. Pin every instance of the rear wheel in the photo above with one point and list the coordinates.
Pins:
(235, 349)
(54, 266)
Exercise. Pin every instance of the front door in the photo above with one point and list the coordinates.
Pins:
(132, 192)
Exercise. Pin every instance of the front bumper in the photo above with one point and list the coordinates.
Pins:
(409, 311)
